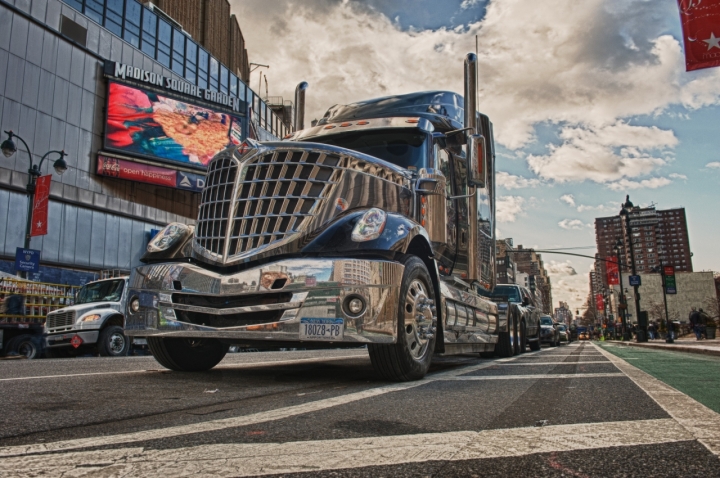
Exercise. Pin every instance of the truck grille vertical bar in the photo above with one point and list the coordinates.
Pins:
(215, 206)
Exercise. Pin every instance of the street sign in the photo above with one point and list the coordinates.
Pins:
(27, 260)
(670, 285)
(635, 280)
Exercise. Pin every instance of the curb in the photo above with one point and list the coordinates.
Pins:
(673, 348)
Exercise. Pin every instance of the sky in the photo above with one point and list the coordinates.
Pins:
(589, 99)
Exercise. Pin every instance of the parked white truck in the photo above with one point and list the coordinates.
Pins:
(94, 323)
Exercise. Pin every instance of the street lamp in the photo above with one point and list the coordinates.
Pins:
(9, 148)
(622, 303)
(625, 213)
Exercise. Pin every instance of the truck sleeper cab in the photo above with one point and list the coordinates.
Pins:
(375, 227)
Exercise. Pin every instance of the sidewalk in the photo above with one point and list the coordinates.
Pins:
(693, 346)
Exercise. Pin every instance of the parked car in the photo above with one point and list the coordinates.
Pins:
(564, 333)
(520, 307)
(549, 334)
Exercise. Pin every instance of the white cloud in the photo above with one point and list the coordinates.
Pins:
(571, 224)
(509, 207)
(677, 176)
(714, 165)
(469, 4)
(511, 181)
(603, 154)
(568, 199)
(599, 208)
(561, 268)
(625, 184)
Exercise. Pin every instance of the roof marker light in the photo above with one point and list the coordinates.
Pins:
(363, 123)
(329, 126)
(412, 120)
(345, 124)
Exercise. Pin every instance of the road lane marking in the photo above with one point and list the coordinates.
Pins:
(700, 421)
(535, 377)
(606, 362)
(233, 422)
(227, 366)
(252, 459)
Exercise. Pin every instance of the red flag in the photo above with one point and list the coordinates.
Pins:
(40, 206)
(599, 302)
(613, 276)
(701, 33)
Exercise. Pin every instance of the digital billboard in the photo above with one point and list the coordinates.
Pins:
(146, 124)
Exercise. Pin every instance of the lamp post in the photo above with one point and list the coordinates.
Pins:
(669, 339)
(9, 148)
(622, 303)
(625, 213)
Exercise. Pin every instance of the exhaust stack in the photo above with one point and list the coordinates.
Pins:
(471, 75)
(471, 80)
(299, 120)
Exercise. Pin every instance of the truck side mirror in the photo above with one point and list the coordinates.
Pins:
(477, 170)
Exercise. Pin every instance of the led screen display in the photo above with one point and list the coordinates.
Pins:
(143, 123)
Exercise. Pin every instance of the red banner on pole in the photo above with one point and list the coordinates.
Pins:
(599, 302)
(613, 275)
(40, 206)
(701, 33)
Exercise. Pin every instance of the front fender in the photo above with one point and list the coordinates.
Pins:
(105, 314)
(396, 237)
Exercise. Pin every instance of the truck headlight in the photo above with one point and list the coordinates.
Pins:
(167, 237)
(370, 226)
(91, 318)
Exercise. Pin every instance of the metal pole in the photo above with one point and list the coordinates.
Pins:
(636, 292)
(669, 338)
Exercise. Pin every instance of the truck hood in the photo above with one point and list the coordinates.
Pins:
(266, 199)
(82, 309)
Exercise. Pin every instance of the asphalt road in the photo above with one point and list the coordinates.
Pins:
(571, 411)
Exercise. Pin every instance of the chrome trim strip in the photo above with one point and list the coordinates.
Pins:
(234, 310)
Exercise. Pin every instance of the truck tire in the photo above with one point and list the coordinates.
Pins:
(112, 342)
(24, 345)
(505, 346)
(522, 338)
(409, 358)
(187, 355)
(535, 344)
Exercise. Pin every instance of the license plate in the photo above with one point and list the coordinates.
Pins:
(321, 329)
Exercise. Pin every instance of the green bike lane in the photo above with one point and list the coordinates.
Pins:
(697, 376)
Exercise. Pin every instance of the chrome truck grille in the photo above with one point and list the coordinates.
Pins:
(60, 319)
(273, 197)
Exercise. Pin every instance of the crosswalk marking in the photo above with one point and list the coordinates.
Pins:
(246, 459)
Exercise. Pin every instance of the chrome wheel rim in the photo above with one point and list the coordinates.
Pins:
(26, 349)
(419, 319)
(116, 343)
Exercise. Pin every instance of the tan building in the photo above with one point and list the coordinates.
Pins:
(694, 289)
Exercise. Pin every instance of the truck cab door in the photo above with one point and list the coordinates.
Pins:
(446, 253)
(460, 206)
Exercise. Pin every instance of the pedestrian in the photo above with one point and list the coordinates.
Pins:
(694, 319)
(651, 330)
(704, 321)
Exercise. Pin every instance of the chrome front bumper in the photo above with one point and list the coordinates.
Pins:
(185, 300)
(89, 337)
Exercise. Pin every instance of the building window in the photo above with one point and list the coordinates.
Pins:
(114, 16)
(164, 42)
(214, 74)
(203, 59)
(224, 79)
(149, 33)
(191, 61)
(178, 53)
(132, 23)
(94, 10)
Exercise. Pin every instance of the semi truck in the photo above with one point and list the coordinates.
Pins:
(373, 227)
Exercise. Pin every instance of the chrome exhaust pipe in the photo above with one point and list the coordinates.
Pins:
(299, 120)
(471, 81)
(471, 76)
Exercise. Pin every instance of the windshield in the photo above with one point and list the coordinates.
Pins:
(562, 328)
(405, 148)
(107, 290)
(546, 321)
(512, 293)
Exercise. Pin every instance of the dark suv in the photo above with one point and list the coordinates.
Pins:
(522, 310)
